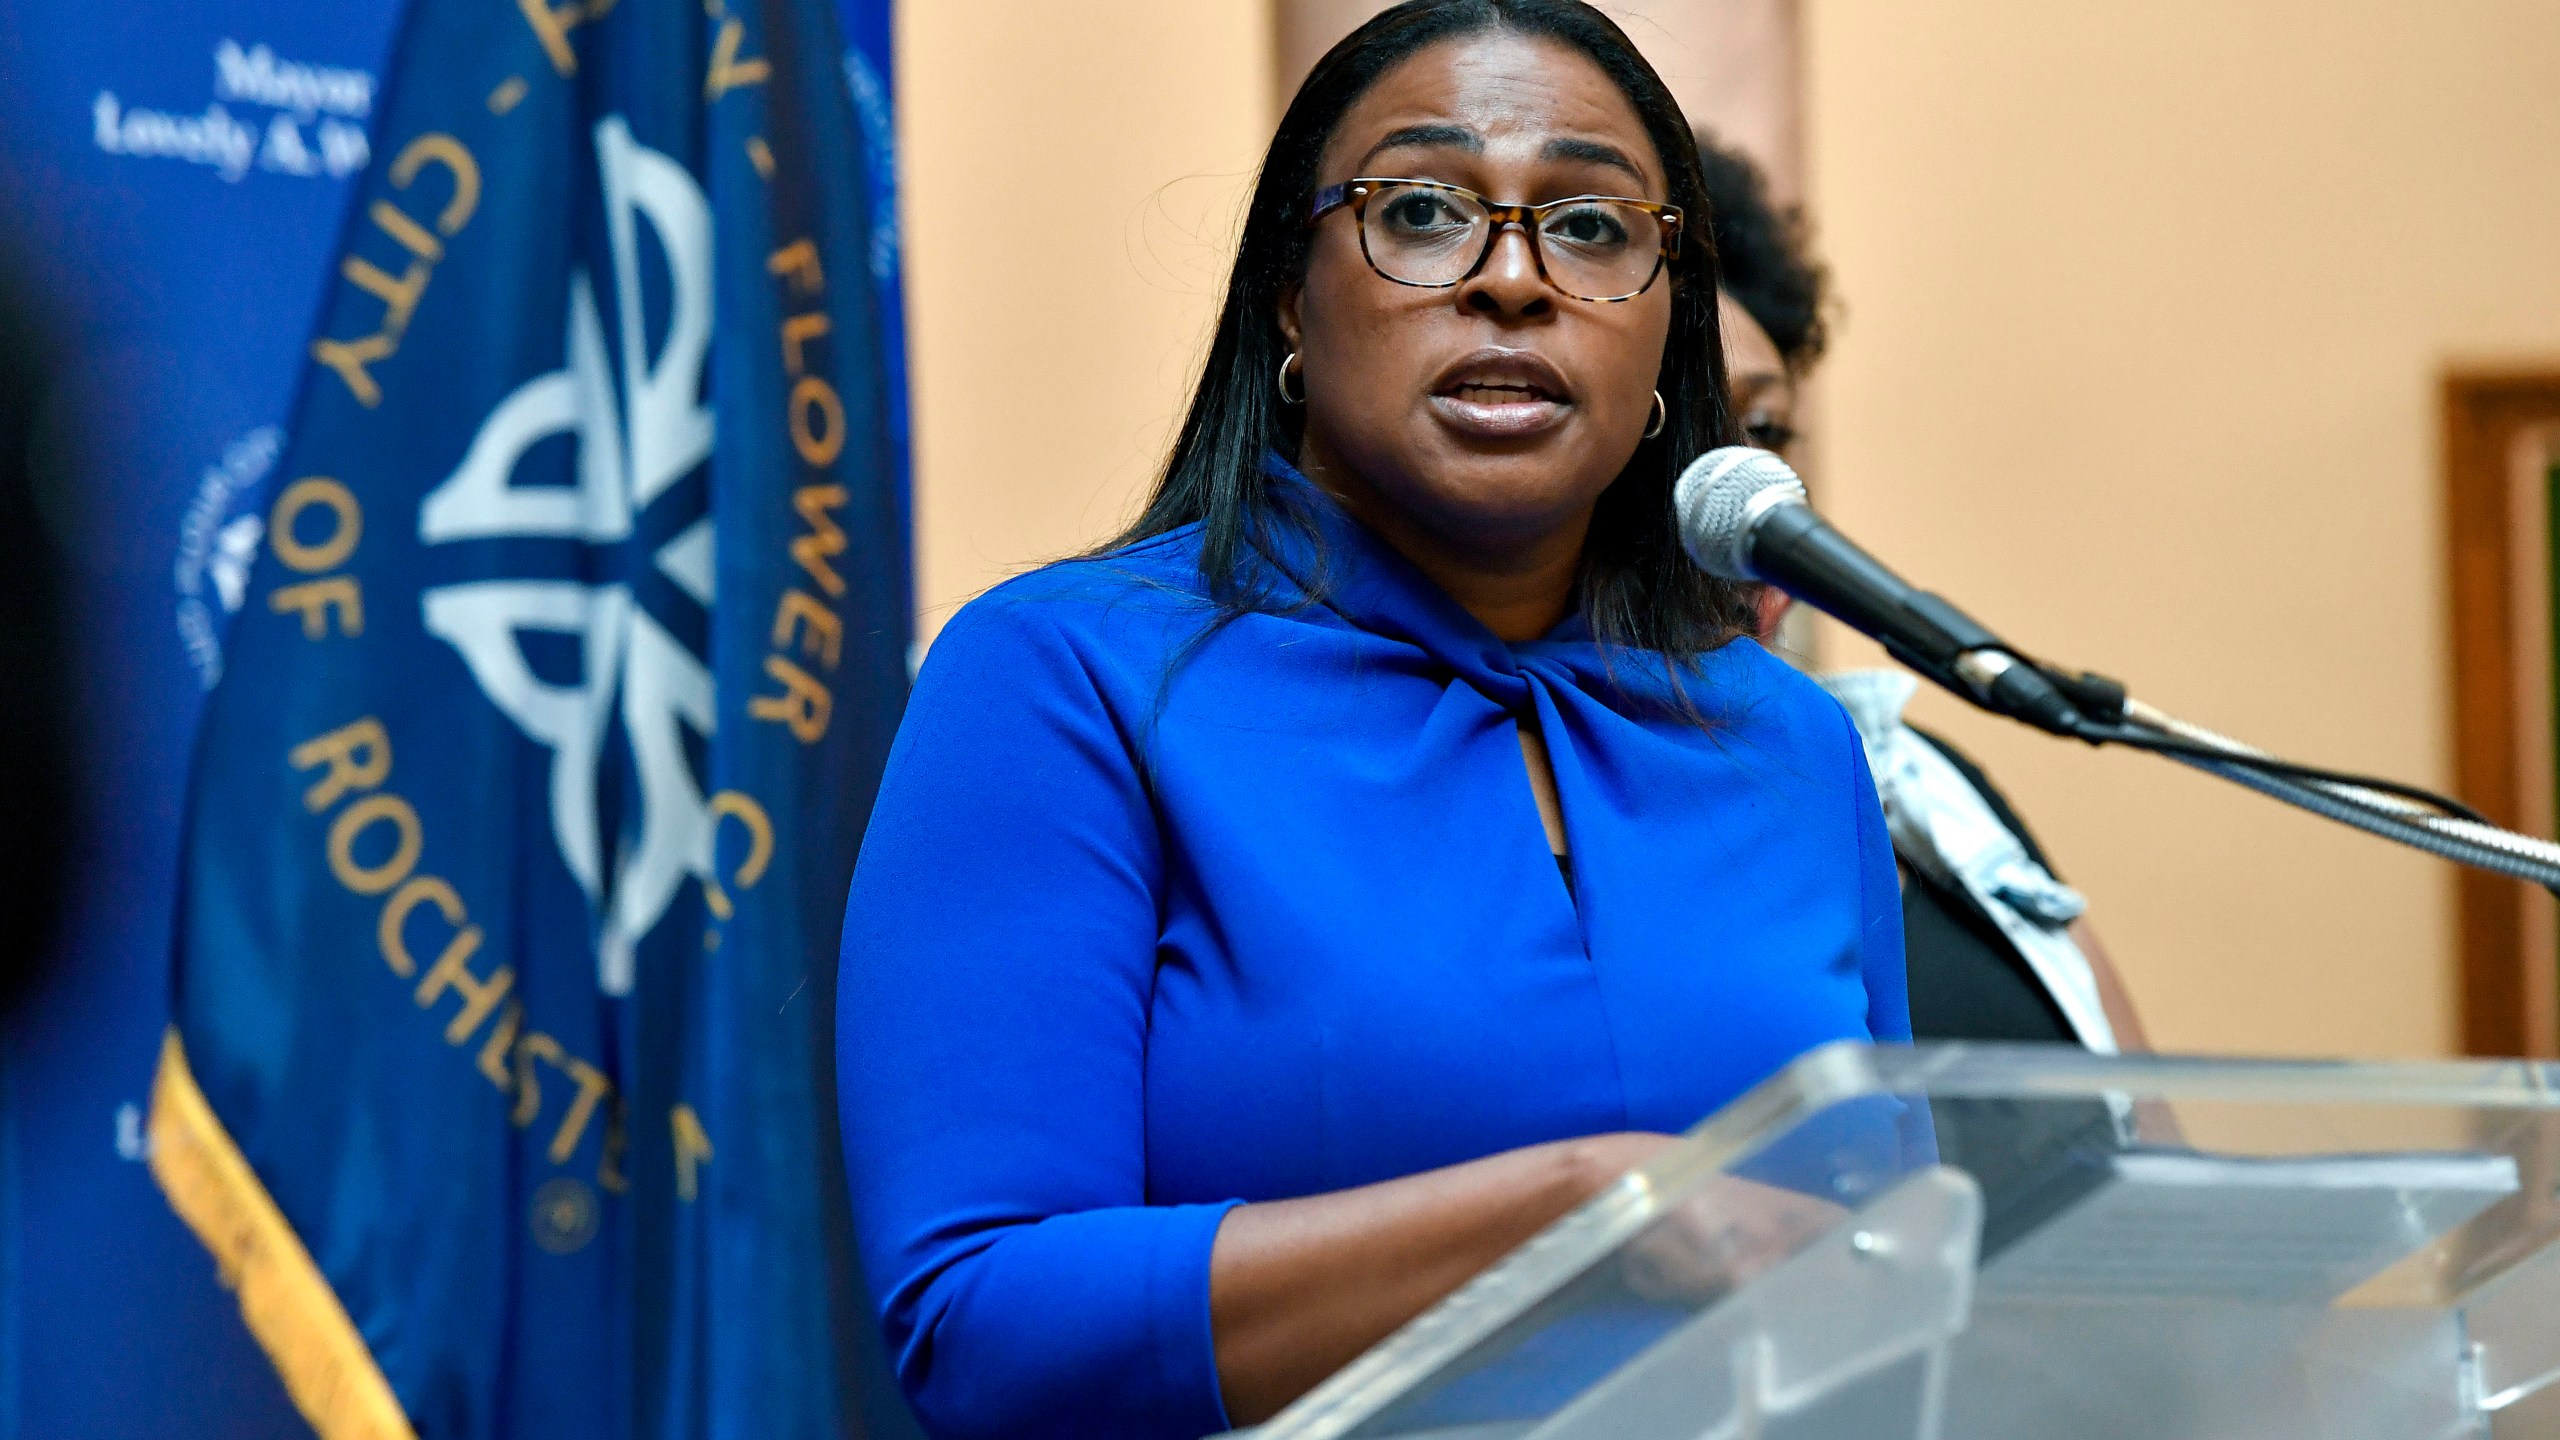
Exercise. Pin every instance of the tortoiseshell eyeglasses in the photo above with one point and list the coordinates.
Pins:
(1420, 232)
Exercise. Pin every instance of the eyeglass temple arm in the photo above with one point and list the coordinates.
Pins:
(1328, 200)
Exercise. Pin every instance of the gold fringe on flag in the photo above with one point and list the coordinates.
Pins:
(306, 1333)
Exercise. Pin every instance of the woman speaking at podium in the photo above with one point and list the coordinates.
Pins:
(1271, 919)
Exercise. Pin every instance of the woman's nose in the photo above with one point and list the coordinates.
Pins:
(1508, 282)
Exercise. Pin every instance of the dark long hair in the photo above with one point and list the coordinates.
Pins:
(1637, 588)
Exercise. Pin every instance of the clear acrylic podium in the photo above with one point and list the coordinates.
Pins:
(1993, 1243)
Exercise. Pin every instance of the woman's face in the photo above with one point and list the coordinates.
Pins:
(1762, 391)
(1758, 383)
(1488, 416)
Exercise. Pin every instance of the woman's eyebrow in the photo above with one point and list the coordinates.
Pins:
(1593, 152)
(1457, 136)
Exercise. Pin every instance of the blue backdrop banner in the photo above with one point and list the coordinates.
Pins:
(522, 812)
(172, 176)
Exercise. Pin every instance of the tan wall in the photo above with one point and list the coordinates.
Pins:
(1073, 178)
(2145, 308)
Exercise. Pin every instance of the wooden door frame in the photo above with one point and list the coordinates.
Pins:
(2508, 1001)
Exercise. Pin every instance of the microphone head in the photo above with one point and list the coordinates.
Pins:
(1721, 499)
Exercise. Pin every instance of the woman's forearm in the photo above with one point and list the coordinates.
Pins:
(1298, 1288)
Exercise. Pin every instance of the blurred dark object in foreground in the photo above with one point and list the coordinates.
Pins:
(36, 843)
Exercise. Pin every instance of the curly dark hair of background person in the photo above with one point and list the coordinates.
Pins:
(1764, 256)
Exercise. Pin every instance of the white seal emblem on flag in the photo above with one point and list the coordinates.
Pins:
(635, 441)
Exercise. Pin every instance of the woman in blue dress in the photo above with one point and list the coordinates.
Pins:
(1270, 920)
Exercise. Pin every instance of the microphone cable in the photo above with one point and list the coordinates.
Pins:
(2134, 737)
(1742, 514)
(2412, 815)
(2464, 842)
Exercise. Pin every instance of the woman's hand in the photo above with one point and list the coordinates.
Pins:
(1720, 1237)
(1298, 1288)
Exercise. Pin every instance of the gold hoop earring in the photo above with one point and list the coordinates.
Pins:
(1661, 416)
(1292, 363)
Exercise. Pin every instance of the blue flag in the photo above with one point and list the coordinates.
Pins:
(523, 812)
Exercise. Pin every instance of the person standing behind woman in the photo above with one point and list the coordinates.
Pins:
(1272, 919)
(1997, 948)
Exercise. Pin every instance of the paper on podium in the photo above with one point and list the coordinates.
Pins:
(2173, 1224)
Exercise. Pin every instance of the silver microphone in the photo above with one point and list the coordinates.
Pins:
(1745, 516)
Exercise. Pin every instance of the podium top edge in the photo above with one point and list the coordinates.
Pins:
(1845, 1070)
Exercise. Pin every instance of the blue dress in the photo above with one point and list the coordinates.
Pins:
(1157, 915)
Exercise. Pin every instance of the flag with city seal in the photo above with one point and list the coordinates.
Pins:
(521, 820)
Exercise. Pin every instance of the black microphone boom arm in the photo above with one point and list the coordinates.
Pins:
(1793, 549)
(1743, 515)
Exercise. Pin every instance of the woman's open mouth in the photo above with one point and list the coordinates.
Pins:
(1501, 394)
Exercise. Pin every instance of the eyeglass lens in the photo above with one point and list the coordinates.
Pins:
(1594, 249)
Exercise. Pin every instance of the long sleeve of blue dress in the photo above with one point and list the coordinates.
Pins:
(1162, 909)
(994, 1035)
